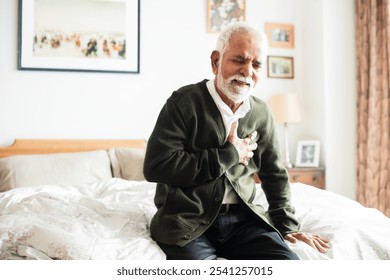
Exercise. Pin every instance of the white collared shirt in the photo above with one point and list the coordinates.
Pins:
(228, 117)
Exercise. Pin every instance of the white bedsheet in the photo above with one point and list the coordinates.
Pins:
(354, 232)
(110, 219)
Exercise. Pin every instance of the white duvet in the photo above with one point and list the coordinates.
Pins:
(110, 220)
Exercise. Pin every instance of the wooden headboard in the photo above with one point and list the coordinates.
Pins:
(49, 146)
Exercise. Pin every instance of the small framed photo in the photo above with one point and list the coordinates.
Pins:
(220, 13)
(280, 35)
(308, 153)
(280, 67)
(88, 35)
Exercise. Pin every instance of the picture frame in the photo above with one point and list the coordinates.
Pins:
(220, 13)
(280, 67)
(73, 35)
(308, 153)
(280, 35)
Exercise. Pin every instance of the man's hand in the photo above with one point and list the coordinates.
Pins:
(314, 240)
(244, 146)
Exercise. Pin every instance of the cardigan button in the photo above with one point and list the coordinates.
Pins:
(187, 236)
(205, 223)
(218, 199)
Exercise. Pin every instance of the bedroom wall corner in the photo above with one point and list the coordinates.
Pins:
(340, 96)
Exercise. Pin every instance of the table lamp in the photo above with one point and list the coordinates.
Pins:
(285, 108)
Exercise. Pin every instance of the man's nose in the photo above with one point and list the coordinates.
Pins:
(247, 70)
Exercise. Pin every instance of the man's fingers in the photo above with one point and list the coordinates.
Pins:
(253, 135)
(319, 246)
(245, 147)
(314, 240)
(322, 242)
(232, 137)
(291, 238)
(234, 126)
(253, 146)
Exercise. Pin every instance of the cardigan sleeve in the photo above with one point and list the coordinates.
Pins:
(274, 178)
(171, 157)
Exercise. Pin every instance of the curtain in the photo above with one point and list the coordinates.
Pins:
(373, 103)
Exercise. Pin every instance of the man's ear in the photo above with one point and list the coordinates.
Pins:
(215, 57)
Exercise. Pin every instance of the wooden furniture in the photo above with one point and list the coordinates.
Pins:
(44, 146)
(314, 176)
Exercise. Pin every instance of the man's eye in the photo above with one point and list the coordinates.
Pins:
(257, 65)
(239, 61)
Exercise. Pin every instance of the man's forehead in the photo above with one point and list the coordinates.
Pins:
(237, 51)
(244, 41)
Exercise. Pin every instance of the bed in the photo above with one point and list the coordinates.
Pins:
(88, 200)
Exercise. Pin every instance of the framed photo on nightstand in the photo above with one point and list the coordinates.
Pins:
(308, 153)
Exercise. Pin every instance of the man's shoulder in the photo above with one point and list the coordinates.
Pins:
(189, 91)
(257, 102)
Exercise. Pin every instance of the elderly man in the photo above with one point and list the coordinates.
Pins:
(209, 140)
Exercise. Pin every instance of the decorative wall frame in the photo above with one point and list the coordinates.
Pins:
(308, 153)
(280, 67)
(280, 35)
(220, 13)
(73, 35)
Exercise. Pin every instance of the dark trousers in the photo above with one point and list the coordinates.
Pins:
(235, 235)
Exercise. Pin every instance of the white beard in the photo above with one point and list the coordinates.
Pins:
(234, 92)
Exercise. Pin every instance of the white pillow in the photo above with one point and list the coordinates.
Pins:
(127, 163)
(61, 168)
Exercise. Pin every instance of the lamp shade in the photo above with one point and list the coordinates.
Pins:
(285, 108)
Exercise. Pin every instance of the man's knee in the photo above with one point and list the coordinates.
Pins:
(198, 249)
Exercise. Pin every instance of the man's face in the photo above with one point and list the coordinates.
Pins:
(238, 70)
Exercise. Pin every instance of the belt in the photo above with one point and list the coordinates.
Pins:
(225, 208)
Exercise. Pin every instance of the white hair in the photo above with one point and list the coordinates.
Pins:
(241, 27)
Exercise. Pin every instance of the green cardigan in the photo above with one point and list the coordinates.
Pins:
(189, 159)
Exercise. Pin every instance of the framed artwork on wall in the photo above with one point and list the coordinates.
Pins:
(221, 13)
(73, 35)
(308, 153)
(280, 67)
(280, 35)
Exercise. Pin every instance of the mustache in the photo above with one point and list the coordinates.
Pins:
(242, 79)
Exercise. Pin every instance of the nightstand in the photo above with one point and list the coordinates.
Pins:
(314, 176)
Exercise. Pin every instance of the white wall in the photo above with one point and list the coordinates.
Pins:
(35, 104)
(175, 50)
(340, 96)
